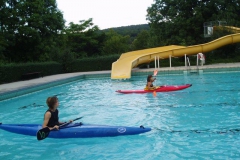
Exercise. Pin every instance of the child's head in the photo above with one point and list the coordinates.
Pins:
(149, 78)
(48, 100)
(52, 102)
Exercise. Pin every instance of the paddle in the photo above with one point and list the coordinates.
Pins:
(155, 72)
(154, 92)
(44, 132)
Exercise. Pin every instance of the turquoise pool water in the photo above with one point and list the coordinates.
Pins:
(201, 122)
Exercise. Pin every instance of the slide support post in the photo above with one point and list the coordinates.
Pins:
(170, 61)
(155, 62)
(197, 59)
(185, 60)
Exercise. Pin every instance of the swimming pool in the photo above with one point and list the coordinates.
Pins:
(198, 123)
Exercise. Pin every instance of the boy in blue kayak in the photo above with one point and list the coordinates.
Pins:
(51, 119)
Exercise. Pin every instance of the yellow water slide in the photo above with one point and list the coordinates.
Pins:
(121, 69)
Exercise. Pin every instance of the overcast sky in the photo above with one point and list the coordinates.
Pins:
(105, 13)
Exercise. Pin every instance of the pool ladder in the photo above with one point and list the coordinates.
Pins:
(191, 70)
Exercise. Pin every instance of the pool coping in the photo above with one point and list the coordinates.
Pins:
(220, 67)
(14, 89)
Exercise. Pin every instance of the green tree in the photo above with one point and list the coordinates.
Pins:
(31, 29)
(141, 41)
(84, 39)
(181, 22)
(229, 11)
(7, 24)
(178, 22)
(115, 43)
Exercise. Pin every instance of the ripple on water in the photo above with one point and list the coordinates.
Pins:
(201, 122)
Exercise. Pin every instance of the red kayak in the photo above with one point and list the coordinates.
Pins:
(164, 88)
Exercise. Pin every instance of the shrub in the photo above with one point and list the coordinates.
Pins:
(13, 72)
(93, 63)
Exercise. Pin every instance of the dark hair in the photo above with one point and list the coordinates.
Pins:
(51, 101)
(149, 78)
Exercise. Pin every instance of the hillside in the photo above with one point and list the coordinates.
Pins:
(132, 30)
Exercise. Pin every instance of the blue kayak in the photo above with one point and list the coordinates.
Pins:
(76, 130)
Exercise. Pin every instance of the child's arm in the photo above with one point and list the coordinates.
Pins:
(65, 122)
(153, 79)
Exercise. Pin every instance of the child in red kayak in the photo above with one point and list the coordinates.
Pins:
(51, 119)
(150, 81)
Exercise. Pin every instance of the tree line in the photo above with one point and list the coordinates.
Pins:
(36, 31)
(178, 22)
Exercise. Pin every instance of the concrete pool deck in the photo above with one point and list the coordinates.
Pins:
(21, 85)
